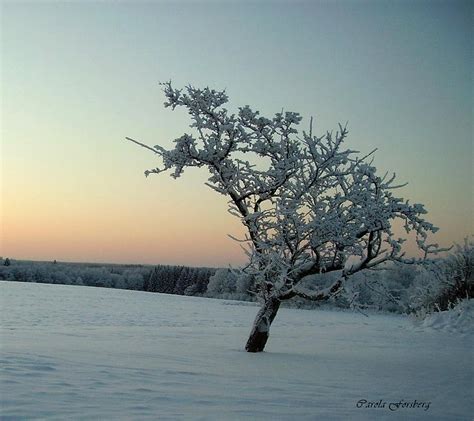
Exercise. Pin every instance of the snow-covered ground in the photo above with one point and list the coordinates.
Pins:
(71, 352)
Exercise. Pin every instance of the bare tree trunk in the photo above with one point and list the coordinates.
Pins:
(261, 326)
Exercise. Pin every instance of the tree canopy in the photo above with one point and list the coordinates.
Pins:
(309, 205)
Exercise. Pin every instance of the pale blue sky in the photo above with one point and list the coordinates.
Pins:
(77, 77)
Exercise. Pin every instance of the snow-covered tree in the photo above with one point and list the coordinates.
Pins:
(230, 284)
(222, 282)
(309, 206)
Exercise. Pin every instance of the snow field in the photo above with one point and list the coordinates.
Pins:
(70, 352)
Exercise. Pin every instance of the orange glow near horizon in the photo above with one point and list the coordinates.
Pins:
(181, 231)
(175, 232)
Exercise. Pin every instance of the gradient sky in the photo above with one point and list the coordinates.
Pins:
(77, 77)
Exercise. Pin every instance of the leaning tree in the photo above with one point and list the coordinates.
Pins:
(308, 205)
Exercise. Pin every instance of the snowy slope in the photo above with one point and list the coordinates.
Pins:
(89, 353)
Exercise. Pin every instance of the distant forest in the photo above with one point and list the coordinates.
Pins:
(180, 280)
(435, 286)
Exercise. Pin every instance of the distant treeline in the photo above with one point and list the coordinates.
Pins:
(436, 286)
(180, 280)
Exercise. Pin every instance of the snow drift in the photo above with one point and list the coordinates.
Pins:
(459, 319)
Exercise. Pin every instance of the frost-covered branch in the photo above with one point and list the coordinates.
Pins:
(309, 205)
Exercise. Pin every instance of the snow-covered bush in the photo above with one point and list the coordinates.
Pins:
(445, 282)
(459, 273)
